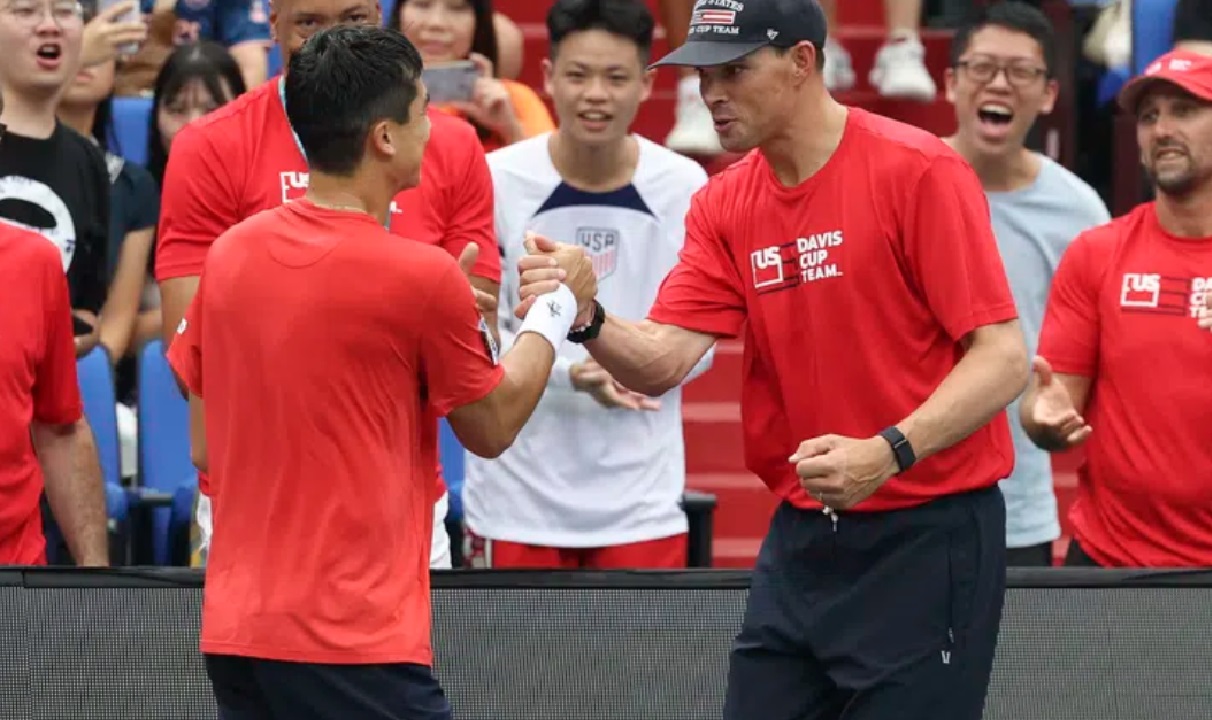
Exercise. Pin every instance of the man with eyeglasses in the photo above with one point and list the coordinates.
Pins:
(245, 158)
(45, 442)
(52, 180)
(1000, 80)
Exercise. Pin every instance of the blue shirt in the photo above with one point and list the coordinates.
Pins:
(227, 22)
(1034, 225)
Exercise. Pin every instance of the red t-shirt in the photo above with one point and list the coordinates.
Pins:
(243, 159)
(37, 382)
(318, 405)
(858, 286)
(1122, 311)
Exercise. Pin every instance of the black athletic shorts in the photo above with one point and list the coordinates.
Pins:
(252, 689)
(885, 616)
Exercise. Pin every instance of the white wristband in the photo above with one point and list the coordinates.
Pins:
(552, 316)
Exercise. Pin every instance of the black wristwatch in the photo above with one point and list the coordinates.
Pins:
(901, 448)
(590, 331)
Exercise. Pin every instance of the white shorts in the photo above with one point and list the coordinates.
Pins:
(439, 551)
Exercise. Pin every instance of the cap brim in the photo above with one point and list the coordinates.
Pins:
(1129, 97)
(706, 53)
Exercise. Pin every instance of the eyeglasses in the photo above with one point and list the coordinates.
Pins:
(1019, 73)
(31, 12)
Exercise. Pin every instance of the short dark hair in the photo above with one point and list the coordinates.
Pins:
(207, 62)
(628, 19)
(1011, 15)
(343, 81)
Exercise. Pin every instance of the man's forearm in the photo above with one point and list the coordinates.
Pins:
(75, 489)
(639, 357)
(981, 385)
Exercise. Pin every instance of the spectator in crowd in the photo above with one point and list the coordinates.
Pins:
(881, 350)
(320, 556)
(900, 65)
(244, 159)
(1002, 77)
(196, 80)
(502, 111)
(1122, 361)
(1193, 26)
(134, 206)
(45, 442)
(109, 32)
(511, 46)
(608, 494)
(52, 179)
(240, 26)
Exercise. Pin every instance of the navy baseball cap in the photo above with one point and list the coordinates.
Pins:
(723, 31)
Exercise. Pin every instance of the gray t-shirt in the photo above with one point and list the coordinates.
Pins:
(1034, 225)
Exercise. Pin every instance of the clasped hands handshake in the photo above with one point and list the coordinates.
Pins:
(546, 266)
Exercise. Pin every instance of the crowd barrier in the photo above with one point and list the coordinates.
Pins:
(1076, 644)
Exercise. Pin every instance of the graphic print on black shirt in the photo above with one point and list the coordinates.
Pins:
(59, 188)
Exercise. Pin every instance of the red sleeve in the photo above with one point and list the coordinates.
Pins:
(185, 352)
(198, 204)
(469, 216)
(56, 386)
(1069, 337)
(703, 292)
(950, 249)
(456, 360)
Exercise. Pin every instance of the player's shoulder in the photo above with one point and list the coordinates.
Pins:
(1107, 238)
(451, 135)
(899, 149)
(520, 157)
(660, 165)
(734, 182)
(228, 123)
(1076, 193)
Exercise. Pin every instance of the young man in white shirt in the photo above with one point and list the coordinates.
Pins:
(596, 477)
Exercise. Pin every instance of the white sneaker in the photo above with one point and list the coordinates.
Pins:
(900, 70)
(839, 70)
(693, 130)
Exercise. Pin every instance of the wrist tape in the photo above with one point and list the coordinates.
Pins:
(552, 316)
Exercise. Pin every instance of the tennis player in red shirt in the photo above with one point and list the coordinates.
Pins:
(1123, 362)
(312, 413)
(881, 350)
(244, 158)
(45, 440)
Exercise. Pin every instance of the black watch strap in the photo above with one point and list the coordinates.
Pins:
(901, 448)
(590, 331)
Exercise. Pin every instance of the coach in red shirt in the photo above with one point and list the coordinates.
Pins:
(311, 413)
(881, 350)
(44, 438)
(1124, 363)
(245, 158)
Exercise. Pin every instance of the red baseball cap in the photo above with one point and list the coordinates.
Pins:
(1188, 70)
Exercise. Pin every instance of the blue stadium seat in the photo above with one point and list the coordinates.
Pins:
(97, 392)
(453, 458)
(164, 462)
(131, 118)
